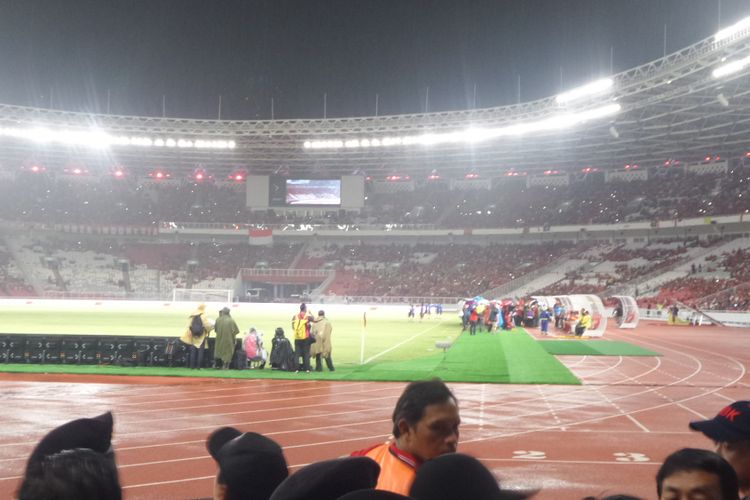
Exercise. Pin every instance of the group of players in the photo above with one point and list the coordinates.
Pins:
(479, 314)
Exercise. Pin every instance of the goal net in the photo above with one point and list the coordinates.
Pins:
(202, 295)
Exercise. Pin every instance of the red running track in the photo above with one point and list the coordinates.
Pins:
(607, 436)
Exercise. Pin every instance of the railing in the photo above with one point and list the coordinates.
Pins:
(387, 299)
(289, 273)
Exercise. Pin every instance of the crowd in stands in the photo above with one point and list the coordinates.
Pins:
(617, 265)
(723, 284)
(670, 193)
(453, 270)
(77, 460)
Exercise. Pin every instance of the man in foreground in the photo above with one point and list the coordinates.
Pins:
(730, 431)
(425, 426)
(696, 474)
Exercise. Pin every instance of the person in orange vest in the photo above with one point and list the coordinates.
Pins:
(425, 426)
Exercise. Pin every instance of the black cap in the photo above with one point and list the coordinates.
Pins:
(250, 464)
(91, 433)
(373, 495)
(732, 423)
(330, 479)
(455, 476)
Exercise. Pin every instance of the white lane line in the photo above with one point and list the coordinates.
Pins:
(636, 422)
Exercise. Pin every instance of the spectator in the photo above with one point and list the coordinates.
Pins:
(329, 479)
(322, 347)
(226, 336)
(690, 473)
(425, 425)
(730, 431)
(457, 477)
(371, 494)
(251, 466)
(47, 464)
(77, 474)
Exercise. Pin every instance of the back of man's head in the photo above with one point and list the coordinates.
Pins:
(689, 460)
(416, 397)
(77, 474)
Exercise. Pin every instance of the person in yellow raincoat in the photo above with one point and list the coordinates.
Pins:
(197, 343)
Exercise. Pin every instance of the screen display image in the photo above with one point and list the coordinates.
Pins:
(313, 192)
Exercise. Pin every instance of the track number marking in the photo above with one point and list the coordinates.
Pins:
(529, 455)
(631, 457)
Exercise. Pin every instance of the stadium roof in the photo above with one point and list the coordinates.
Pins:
(684, 106)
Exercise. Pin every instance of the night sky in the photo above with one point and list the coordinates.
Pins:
(73, 53)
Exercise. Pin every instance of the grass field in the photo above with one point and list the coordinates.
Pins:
(395, 348)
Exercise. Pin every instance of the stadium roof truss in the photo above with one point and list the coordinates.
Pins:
(673, 107)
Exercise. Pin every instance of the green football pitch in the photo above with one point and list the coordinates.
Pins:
(391, 346)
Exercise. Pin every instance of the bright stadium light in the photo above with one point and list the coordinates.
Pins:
(97, 139)
(731, 68)
(585, 91)
(732, 30)
(473, 135)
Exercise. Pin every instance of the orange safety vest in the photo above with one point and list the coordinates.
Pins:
(397, 468)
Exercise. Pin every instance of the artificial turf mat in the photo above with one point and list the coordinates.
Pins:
(509, 357)
(594, 348)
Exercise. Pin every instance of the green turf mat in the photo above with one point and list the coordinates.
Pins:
(594, 348)
(509, 357)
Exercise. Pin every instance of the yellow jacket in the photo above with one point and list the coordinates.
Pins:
(585, 321)
(188, 337)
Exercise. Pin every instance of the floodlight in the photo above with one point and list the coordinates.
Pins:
(732, 30)
(614, 132)
(731, 68)
(587, 90)
(722, 100)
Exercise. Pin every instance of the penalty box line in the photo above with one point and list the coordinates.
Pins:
(376, 356)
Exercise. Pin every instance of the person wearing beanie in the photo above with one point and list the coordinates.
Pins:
(76, 456)
(456, 477)
(251, 466)
(329, 479)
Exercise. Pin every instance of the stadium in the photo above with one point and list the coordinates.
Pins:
(629, 191)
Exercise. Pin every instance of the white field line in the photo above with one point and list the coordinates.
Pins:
(407, 340)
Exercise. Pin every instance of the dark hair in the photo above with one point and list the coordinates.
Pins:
(321, 313)
(279, 331)
(690, 459)
(416, 397)
(303, 307)
(78, 474)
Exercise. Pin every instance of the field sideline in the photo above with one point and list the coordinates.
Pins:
(389, 335)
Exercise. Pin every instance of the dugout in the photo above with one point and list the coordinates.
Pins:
(630, 313)
(573, 305)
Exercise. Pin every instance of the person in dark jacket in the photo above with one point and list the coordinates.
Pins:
(282, 354)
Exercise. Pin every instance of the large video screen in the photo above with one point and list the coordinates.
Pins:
(313, 192)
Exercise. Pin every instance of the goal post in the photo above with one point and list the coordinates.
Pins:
(223, 296)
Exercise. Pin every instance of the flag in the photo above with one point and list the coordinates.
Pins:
(261, 237)
(364, 320)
